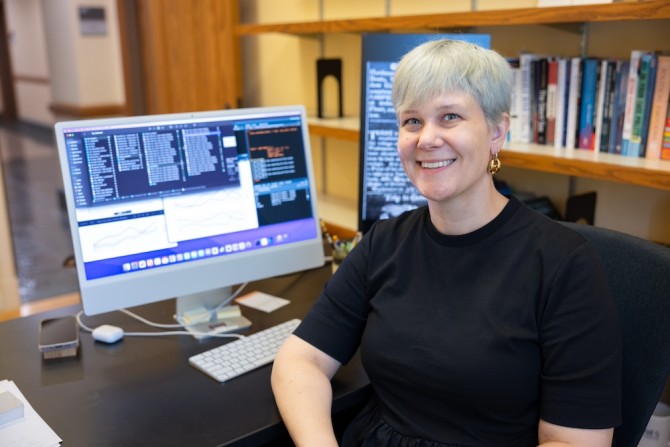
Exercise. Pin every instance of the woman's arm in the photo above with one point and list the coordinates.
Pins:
(551, 435)
(301, 384)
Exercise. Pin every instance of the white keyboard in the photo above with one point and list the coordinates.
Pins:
(240, 356)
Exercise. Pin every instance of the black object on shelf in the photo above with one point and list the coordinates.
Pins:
(581, 208)
(325, 68)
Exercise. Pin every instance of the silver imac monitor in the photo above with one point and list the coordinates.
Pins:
(187, 205)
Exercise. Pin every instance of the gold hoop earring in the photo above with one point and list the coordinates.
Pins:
(494, 164)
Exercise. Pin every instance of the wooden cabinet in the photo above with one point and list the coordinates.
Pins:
(179, 56)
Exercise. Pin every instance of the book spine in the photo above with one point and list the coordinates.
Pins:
(608, 106)
(649, 96)
(515, 105)
(601, 92)
(525, 111)
(631, 92)
(552, 91)
(616, 134)
(645, 79)
(665, 145)
(561, 103)
(541, 101)
(659, 108)
(573, 102)
(587, 109)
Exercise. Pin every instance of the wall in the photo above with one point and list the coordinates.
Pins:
(27, 47)
(86, 70)
(280, 69)
(54, 63)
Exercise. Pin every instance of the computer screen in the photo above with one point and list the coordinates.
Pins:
(182, 205)
(384, 189)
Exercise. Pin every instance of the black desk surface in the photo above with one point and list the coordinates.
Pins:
(142, 391)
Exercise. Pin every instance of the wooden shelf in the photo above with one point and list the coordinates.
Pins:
(342, 128)
(648, 10)
(589, 164)
(580, 163)
(574, 162)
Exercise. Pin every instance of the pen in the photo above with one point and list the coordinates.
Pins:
(326, 233)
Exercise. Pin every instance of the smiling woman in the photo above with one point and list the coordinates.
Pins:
(452, 124)
(433, 301)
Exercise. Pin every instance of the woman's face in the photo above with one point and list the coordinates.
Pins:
(445, 146)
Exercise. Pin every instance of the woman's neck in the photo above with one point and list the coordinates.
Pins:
(462, 216)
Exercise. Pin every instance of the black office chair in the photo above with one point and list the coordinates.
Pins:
(639, 276)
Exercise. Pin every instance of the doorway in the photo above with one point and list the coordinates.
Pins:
(9, 112)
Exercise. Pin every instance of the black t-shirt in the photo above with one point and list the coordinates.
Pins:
(470, 339)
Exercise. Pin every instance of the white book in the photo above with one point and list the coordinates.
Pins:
(600, 104)
(561, 88)
(573, 102)
(515, 106)
(525, 113)
(631, 93)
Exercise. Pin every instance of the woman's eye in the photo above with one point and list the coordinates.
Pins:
(449, 117)
(411, 122)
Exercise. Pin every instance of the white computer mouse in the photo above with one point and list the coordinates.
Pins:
(107, 333)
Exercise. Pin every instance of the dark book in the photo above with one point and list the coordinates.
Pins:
(619, 107)
(646, 76)
(540, 67)
(609, 88)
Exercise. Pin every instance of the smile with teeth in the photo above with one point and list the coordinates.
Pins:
(435, 164)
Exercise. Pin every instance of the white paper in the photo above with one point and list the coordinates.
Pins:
(28, 431)
(262, 301)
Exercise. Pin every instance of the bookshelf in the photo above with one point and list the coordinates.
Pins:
(574, 162)
(579, 163)
(648, 10)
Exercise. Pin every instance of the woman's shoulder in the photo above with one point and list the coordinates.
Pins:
(551, 233)
(403, 222)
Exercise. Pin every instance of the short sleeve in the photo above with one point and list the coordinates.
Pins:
(581, 346)
(336, 322)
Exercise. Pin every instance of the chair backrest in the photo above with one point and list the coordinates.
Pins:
(639, 276)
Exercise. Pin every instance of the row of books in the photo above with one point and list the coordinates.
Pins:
(619, 106)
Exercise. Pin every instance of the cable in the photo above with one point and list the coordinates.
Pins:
(158, 334)
(180, 323)
(230, 298)
(192, 334)
(151, 323)
(80, 323)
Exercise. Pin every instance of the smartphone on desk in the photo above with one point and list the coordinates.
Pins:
(59, 338)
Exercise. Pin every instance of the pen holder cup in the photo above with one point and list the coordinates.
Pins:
(338, 256)
(341, 249)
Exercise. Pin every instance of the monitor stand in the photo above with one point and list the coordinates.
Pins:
(199, 315)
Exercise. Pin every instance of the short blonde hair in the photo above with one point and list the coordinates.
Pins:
(444, 65)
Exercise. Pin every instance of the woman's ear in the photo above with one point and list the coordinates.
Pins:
(499, 134)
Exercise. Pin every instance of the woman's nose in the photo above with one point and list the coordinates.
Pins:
(430, 137)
